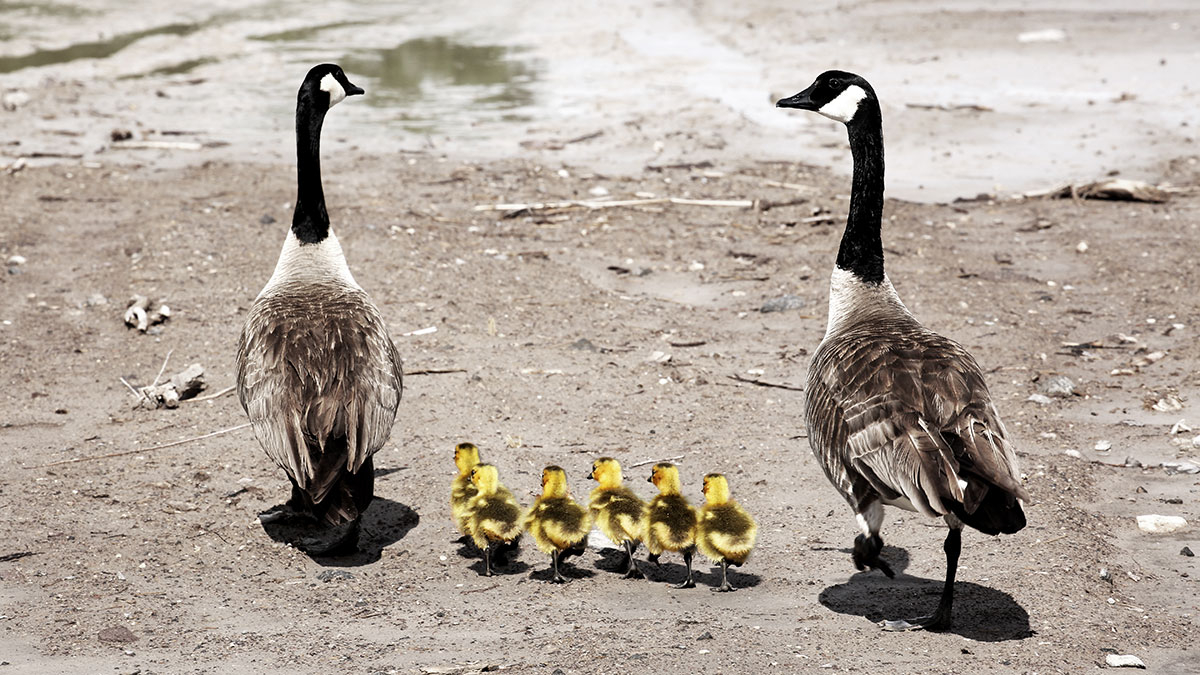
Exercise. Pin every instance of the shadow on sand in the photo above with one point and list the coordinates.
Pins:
(980, 613)
(384, 523)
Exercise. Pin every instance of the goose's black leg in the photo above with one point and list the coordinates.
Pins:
(687, 560)
(631, 569)
(725, 586)
(940, 620)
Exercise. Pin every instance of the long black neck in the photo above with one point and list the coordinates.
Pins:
(861, 251)
(310, 222)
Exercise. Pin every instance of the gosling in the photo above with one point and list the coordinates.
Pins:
(466, 456)
(726, 532)
(494, 516)
(617, 511)
(669, 520)
(557, 524)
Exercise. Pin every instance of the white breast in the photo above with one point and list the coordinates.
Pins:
(298, 263)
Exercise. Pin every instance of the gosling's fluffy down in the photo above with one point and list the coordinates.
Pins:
(557, 524)
(466, 456)
(494, 515)
(670, 521)
(726, 532)
(617, 511)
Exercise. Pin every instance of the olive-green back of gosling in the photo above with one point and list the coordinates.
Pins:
(618, 513)
(670, 524)
(557, 523)
(726, 532)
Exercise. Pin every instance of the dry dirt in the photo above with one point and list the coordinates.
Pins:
(554, 329)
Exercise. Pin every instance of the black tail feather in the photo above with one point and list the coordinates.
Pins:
(998, 513)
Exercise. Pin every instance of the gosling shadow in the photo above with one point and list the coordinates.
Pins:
(544, 572)
(383, 523)
(502, 566)
(613, 560)
(980, 613)
(738, 580)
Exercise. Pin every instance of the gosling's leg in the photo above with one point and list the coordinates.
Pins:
(631, 569)
(687, 560)
(557, 578)
(725, 586)
(487, 558)
(940, 619)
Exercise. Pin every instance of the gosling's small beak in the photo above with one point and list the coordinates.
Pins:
(650, 479)
(802, 101)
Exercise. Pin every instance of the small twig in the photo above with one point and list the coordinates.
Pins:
(131, 389)
(16, 556)
(164, 367)
(1051, 541)
(210, 397)
(141, 450)
(655, 461)
(762, 383)
(481, 590)
(593, 204)
(435, 371)
(693, 343)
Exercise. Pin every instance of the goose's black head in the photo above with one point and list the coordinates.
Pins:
(835, 94)
(326, 85)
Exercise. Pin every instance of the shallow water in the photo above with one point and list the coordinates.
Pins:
(660, 82)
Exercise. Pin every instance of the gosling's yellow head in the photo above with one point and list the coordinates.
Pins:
(606, 471)
(716, 488)
(486, 478)
(554, 482)
(466, 456)
(665, 477)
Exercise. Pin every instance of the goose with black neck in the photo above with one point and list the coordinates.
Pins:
(317, 373)
(897, 414)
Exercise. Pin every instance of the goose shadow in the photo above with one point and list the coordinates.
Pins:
(383, 523)
(980, 613)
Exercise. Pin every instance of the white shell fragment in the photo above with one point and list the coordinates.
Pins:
(1156, 524)
(1123, 661)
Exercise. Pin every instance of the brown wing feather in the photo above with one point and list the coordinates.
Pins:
(897, 411)
(320, 380)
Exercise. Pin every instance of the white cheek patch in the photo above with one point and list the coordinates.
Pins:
(845, 105)
(330, 84)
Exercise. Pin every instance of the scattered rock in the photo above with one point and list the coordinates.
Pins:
(1167, 404)
(782, 304)
(15, 99)
(330, 575)
(1156, 524)
(1059, 386)
(1073, 453)
(1105, 575)
(598, 191)
(141, 313)
(1039, 399)
(1180, 466)
(585, 344)
(17, 260)
(267, 219)
(1044, 35)
(118, 634)
(1186, 552)
(1123, 661)
(1180, 427)
(179, 387)
(658, 357)
(118, 135)
(96, 299)
(1103, 446)
(705, 636)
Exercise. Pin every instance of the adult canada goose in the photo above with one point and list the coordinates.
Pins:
(316, 371)
(896, 413)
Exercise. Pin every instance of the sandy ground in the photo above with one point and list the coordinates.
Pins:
(165, 542)
(573, 334)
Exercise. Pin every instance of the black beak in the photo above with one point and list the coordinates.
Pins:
(352, 90)
(650, 479)
(802, 101)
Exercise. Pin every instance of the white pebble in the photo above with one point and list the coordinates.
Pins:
(1156, 524)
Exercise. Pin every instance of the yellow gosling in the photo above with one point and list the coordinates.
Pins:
(494, 515)
(670, 521)
(726, 532)
(466, 456)
(557, 524)
(617, 511)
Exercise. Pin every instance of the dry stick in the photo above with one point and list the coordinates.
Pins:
(210, 397)
(480, 590)
(141, 450)
(761, 383)
(590, 204)
(655, 461)
(142, 396)
(164, 367)
(436, 371)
